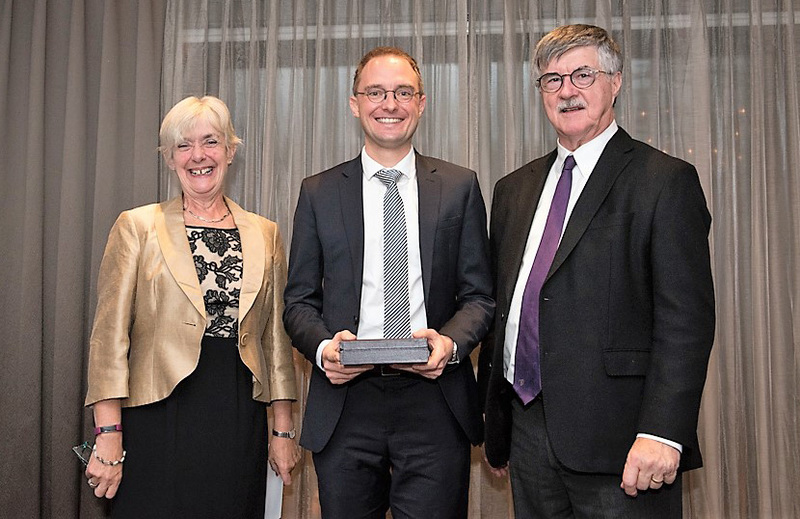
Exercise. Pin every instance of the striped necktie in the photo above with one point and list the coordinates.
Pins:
(396, 304)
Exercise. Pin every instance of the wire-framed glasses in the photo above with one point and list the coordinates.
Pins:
(378, 95)
(582, 78)
(83, 452)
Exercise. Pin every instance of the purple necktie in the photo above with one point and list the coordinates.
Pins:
(527, 370)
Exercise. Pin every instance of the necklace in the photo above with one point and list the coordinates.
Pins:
(206, 219)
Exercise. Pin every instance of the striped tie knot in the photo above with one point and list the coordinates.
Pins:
(389, 176)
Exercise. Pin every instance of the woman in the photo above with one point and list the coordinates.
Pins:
(188, 346)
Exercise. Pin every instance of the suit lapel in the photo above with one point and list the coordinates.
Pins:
(174, 244)
(352, 207)
(429, 186)
(253, 250)
(524, 203)
(613, 161)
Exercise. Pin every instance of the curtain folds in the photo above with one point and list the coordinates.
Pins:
(84, 84)
(79, 112)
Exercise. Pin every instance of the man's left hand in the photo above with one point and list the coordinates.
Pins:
(441, 351)
(650, 465)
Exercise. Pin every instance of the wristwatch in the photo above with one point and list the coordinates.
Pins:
(454, 357)
(281, 434)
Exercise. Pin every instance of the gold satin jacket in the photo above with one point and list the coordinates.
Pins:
(150, 314)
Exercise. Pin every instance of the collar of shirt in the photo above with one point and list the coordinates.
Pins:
(587, 155)
(407, 166)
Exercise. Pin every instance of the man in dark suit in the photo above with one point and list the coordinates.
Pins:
(605, 305)
(390, 436)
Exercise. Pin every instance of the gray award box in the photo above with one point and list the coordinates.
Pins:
(383, 351)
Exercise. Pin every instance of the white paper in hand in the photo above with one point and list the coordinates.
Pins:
(274, 496)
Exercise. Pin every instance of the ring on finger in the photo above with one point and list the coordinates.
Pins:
(91, 483)
(656, 481)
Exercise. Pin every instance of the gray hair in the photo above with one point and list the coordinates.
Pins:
(183, 117)
(562, 39)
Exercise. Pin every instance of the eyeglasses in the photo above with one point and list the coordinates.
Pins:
(378, 95)
(83, 452)
(582, 78)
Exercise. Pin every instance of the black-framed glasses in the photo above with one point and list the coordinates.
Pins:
(83, 452)
(378, 95)
(582, 78)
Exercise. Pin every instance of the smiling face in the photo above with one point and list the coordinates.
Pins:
(580, 115)
(201, 161)
(388, 126)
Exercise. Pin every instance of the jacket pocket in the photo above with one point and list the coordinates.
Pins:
(612, 220)
(626, 363)
(448, 223)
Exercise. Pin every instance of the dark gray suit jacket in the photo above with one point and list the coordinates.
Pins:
(323, 291)
(627, 309)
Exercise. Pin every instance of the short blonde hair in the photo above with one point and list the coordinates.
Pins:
(183, 117)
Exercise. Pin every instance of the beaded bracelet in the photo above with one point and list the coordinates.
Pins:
(106, 462)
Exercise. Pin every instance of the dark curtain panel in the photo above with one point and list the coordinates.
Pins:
(79, 116)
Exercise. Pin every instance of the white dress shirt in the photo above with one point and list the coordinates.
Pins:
(370, 323)
(586, 157)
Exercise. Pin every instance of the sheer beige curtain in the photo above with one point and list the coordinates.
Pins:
(713, 82)
(79, 112)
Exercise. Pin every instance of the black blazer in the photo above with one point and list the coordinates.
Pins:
(627, 309)
(323, 292)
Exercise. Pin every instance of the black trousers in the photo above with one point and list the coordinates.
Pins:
(543, 488)
(398, 446)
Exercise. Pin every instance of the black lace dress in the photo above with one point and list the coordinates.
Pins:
(202, 451)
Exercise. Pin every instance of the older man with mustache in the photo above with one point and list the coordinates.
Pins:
(605, 305)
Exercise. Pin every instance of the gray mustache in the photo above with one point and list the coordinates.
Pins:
(570, 103)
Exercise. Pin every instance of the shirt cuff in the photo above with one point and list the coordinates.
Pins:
(319, 352)
(672, 444)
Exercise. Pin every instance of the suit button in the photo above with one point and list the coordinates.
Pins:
(503, 316)
(243, 339)
(355, 319)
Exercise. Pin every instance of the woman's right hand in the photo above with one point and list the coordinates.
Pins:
(105, 479)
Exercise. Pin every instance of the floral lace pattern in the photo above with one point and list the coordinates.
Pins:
(218, 261)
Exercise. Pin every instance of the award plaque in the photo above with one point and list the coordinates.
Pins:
(384, 351)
